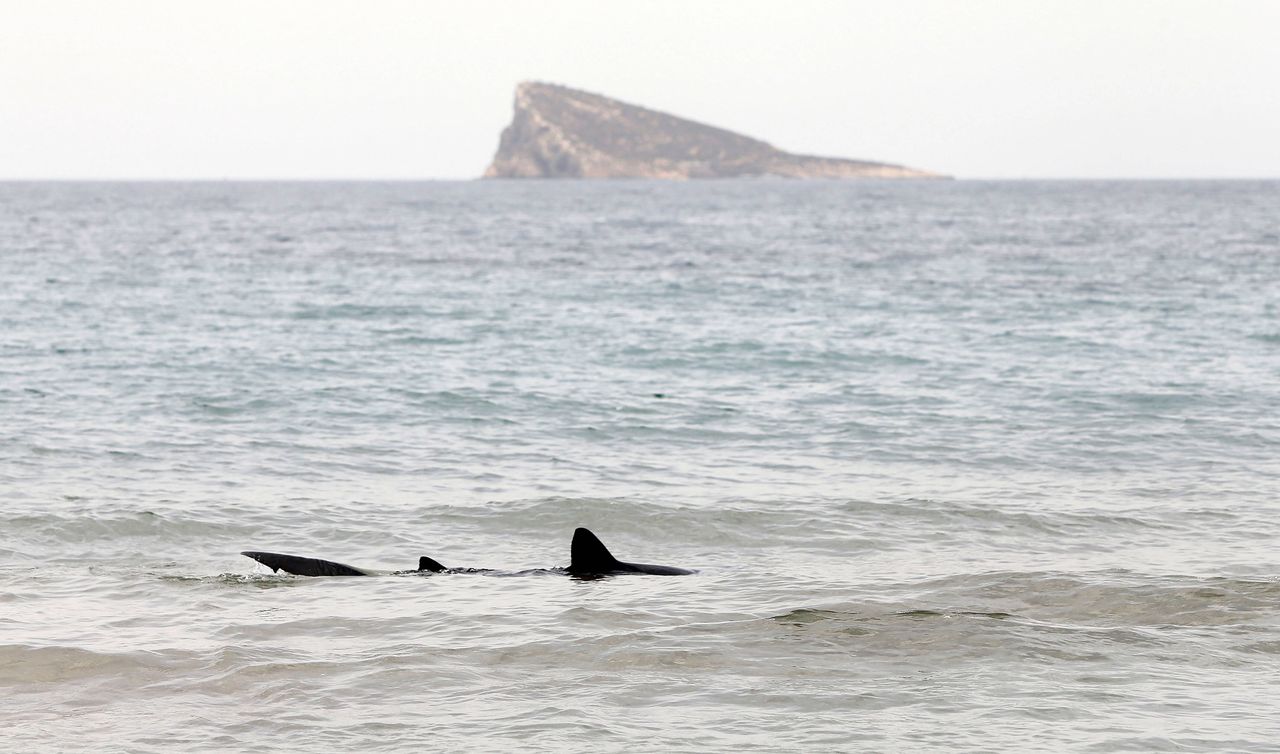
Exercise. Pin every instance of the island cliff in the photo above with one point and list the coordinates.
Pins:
(558, 132)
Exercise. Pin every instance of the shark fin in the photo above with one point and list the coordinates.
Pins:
(587, 554)
(590, 558)
(303, 566)
(432, 566)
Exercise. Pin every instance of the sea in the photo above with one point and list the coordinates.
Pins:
(977, 466)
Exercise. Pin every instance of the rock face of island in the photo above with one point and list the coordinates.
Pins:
(558, 132)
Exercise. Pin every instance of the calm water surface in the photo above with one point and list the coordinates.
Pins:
(963, 465)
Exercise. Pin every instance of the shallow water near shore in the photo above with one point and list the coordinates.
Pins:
(961, 465)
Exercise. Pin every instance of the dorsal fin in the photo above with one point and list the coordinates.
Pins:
(587, 554)
(427, 564)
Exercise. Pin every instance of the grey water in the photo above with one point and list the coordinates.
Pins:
(963, 466)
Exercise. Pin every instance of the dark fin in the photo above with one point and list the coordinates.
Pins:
(303, 566)
(587, 554)
(427, 564)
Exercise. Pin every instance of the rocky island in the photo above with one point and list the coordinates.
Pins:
(558, 132)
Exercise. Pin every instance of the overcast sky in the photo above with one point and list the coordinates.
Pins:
(381, 89)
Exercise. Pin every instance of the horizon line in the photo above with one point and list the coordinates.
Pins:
(742, 179)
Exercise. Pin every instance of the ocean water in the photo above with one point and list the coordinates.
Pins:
(964, 466)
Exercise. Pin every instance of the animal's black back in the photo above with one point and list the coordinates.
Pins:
(299, 566)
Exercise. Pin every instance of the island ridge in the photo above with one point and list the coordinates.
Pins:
(558, 132)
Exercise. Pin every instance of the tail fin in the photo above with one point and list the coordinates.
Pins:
(587, 554)
(303, 566)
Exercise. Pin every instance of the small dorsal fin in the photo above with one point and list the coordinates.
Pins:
(427, 564)
(587, 554)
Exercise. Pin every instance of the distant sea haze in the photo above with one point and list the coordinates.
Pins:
(962, 465)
